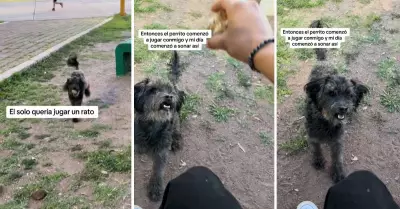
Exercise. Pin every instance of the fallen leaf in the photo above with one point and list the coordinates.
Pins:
(240, 146)
(182, 164)
(354, 158)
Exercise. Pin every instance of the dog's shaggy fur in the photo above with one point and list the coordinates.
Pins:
(76, 85)
(331, 99)
(157, 123)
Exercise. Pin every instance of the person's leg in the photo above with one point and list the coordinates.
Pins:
(54, 5)
(360, 190)
(198, 188)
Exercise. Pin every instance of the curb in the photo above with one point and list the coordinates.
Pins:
(47, 53)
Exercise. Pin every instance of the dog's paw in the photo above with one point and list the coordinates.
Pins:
(175, 146)
(338, 176)
(319, 163)
(155, 191)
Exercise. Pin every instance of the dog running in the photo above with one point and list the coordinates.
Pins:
(331, 100)
(157, 122)
(76, 85)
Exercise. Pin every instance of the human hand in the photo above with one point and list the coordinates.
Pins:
(248, 27)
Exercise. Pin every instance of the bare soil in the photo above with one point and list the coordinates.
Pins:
(248, 172)
(372, 139)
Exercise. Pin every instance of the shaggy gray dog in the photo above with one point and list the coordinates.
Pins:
(76, 84)
(157, 123)
(331, 99)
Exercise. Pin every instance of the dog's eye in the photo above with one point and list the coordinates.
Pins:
(152, 90)
(332, 93)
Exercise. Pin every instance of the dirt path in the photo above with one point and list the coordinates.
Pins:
(372, 138)
(222, 113)
(81, 165)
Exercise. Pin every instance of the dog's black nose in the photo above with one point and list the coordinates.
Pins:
(343, 109)
(168, 97)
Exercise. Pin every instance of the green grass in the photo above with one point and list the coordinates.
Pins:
(92, 132)
(28, 164)
(265, 93)
(155, 69)
(285, 56)
(47, 183)
(191, 106)
(195, 14)
(243, 78)
(106, 195)
(11, 143)
(234, 63)
(149, 6)
(364, 1)
(16, 129)
(221, 113)
(9, 169)
(216, 83)
(283, 5)
(266, 138)
(98, 102)
(295, 145)
(155, 26)
(54, 201)
(89, 133)
(304, 54)
(101, 127)
(104, 144)
(142, 54)
(371, 19)
(389, 71)
(105, 160)
(110, 31)
(391, 99)
(300, 105)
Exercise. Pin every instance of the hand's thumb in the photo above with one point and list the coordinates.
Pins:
(217, 41)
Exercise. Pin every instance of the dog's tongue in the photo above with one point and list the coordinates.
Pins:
(166, 106)
(340, 117)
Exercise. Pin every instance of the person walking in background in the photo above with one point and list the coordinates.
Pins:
(54, 5)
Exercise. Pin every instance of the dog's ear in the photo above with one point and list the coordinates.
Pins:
(360, 90)
(181, 100)
(313, 87)
(139, 89)
(65, 87)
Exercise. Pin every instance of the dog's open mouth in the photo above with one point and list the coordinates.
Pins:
(341, 116)
(74, 92)
(165, 105)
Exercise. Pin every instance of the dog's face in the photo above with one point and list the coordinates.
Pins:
(336, 96)
(74, 86)
(155, 98)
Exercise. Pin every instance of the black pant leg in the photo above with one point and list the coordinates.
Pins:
(360, 190)
(198, 188)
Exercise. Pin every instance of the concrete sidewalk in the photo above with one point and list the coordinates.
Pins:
(18, 11)
(22, 40)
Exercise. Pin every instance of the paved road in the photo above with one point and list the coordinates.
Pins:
(22, 40)
(17, 11)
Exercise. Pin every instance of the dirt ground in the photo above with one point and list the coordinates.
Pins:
(232, 134)
(372, 139)
(75, 163)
